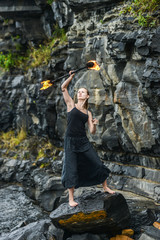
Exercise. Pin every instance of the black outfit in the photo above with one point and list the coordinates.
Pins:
(81, 167)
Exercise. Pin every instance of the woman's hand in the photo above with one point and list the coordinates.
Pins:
(94, 121)
(71, 73)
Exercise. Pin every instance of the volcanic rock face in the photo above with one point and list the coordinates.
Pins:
(124, 94)
(124, 97)
(118, 91)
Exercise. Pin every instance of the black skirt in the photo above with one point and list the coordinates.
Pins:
(82, 166)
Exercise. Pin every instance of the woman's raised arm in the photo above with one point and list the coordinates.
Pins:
(67, 98)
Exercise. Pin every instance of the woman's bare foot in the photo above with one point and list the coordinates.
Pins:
(107, 189)
(72, 203)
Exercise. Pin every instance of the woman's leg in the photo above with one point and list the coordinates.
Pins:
(93, 171)
(72, 203)
(106, 188)
(70, 174)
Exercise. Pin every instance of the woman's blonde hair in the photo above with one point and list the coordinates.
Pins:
(75, 98)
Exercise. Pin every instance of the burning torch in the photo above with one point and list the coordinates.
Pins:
(92, 64)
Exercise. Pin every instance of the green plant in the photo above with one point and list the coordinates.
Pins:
(15, 38)
(11, 60)
(144, 12)
(43, 165)
(33, 57)
(50, 1)
(6, 21)
(6, 60)
(42, 55)
(59, 33)
(41, 154)
(10, 140)
(18, 47)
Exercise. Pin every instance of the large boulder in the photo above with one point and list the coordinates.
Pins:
(96, 213)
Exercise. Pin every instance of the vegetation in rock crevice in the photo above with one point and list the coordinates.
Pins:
(21, 146)
(146, 12)
(10, 140)
(34, 56)
(50, 1)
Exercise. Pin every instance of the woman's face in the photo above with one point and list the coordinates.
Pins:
(82, 94)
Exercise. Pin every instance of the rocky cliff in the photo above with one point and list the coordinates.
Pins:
(124, 94)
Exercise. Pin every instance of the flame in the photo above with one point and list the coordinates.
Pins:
(46, 84)
(95, 66)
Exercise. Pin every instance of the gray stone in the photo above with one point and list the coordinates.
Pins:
(155, 43)
(110, 139)
(83, 3)
(144, 51)
(157, 194)
(85, 236)
(40, 185)
(42, 229)
(17, 81)
(150, 233)
(141, 42)
(138, 186)
(62, 13)
(16, 207)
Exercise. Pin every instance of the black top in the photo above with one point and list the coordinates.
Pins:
(76, 123)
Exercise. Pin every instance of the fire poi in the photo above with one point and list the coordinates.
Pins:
(92, 64)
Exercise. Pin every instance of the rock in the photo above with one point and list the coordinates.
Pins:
(95, 213)
(110, 139)
(42, 229)
(62, 13)
(6, 119)
(57, 167)
(48, 189)
(157, 194)
(87, 236)
(8, 169)
(141, 42)
(150, 233)
(144, 51)
(156, 225)
(121, 237)
(155, 43)
(128, 232)
(39, 184)
(82, 4)
(132, 125)
(16, 207)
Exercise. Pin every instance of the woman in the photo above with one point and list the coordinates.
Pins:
(82, 166)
